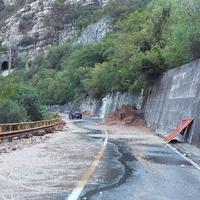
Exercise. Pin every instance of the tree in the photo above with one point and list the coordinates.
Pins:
(26, 97)
(11, 112)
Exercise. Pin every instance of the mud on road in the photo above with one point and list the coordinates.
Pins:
(48, 169)
(152, 171)
(135, 165)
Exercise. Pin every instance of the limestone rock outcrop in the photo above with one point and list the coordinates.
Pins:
(40, 23)
(2, 5)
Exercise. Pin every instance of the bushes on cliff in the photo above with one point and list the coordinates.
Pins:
(11, 112)
(56, 54)
(61, 75)
(26, 23)
(26, 41)
(8, 10)
(150, 37)
(56, 86)
(26, 97)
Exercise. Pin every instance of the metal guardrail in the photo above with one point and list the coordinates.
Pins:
(26, 127)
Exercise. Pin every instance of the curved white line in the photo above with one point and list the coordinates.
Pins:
(86, 177)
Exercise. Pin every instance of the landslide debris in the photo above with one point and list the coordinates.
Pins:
(126, 115)
(17, 144)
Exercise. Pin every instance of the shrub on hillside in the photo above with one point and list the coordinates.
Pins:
(26, 41)
(11, 112)
(25, 96)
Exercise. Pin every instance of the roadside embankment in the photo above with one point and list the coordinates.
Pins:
(129, 121)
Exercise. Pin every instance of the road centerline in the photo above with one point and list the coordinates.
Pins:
(86, 177)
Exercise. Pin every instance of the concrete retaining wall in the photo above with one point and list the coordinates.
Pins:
(175, 96)
(110, 103)
(91, 106)
(116, 100)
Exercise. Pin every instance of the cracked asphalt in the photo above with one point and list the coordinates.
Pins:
(134, 166)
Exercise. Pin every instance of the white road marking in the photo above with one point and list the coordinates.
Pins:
(86, 177)
(186, 158)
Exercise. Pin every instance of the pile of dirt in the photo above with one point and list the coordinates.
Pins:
(126, 115)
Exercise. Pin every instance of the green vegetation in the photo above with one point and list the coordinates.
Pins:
(25, 96)
(18, 96)
(149, 37)
(11, 112)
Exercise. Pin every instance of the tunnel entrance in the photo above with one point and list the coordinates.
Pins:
(4, 66)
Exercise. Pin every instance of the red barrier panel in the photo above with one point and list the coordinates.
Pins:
(184, 124)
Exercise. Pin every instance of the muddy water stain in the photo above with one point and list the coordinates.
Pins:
(114, 168)
(166, 160)
(160, 152)
(149, 145)
(121, 174)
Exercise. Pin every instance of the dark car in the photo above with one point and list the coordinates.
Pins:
(75, 115)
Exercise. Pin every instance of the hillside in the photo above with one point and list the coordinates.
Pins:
(30, 25)
(68, 50)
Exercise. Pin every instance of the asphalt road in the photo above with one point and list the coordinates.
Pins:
(141, 166)
(133, 166)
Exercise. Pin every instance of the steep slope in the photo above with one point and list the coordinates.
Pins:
(40, 23)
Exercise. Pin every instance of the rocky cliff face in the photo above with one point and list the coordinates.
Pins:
(10, 2)
(43, 22)
(2, 5)
(95, 32)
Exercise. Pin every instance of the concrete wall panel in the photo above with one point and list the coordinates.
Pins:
(175, 96)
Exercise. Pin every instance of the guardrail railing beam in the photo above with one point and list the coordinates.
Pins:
(9, 129)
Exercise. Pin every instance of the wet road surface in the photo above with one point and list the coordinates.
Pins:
(141, 166)
(133, 167)
(48, 170)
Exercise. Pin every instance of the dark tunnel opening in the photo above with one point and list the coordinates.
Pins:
(4, 66)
